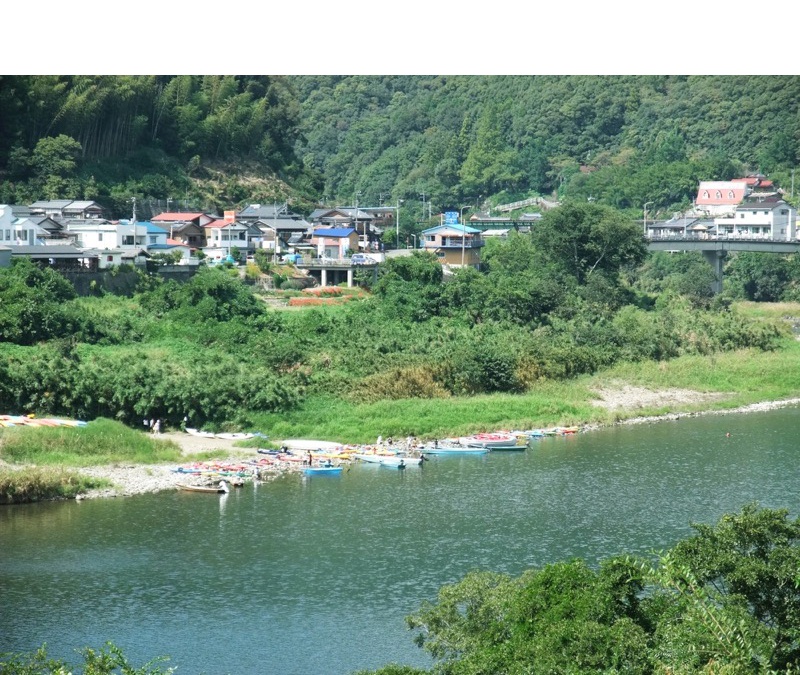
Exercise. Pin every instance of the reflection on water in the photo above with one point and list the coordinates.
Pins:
(263, 576)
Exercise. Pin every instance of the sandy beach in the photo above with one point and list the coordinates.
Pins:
(133, 479)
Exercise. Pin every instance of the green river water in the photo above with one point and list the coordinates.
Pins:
(302, 576)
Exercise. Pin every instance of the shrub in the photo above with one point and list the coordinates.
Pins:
(399, 383)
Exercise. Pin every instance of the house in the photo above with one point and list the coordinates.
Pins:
(680, 225)
(334, 242)
(254, 212)
(156, 236)
(187, 227)
(222, 236)
(19, 231)
(281, 234)
(717, 198)
(97, 233)
(361, 220)
(173, 246)
(67, 208)
(105, 258)
(59, 257)
(454, 243)
(768, 218)
(720, 198)
(53, 232)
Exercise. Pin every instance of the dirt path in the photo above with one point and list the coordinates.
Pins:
(192, 445)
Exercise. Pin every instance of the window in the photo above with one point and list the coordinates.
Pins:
(705, 194)
(153, 238)
(784, 212)
(718, 194)
(99, 236)
(730, 194)
(741, 215)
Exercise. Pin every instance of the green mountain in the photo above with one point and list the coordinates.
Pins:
(218, 141)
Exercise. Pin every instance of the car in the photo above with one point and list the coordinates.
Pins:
(361, 259)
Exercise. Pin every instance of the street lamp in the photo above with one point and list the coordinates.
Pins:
(645, 216)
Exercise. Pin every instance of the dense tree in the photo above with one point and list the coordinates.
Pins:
(586, 238)
(763, 277)
(722, 601)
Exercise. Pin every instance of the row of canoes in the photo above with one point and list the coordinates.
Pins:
(33, 421)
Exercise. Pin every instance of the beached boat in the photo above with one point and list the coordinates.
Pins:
(452, 449)
(221, 488)
(552, 431)
(198, 433)
(322, 470)
(305, 444)
(494, 441)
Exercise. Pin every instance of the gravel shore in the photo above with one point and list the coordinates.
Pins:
(134, 479)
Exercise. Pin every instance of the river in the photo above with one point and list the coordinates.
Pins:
(302, 576)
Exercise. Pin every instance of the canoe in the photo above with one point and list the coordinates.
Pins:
(309, 444)
(322, 470)
(371, 458)
(221, 488)
(493, 441)
(452, 449)
(201, 434)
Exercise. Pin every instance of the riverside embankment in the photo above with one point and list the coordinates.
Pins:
(624, 399)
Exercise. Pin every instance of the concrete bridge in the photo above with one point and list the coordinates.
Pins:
(333, 271)
(714, 249)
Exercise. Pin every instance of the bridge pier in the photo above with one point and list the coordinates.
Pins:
(716, 259)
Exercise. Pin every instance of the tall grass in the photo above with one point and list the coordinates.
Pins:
(742, 377)
(102, 441)
(35, 484)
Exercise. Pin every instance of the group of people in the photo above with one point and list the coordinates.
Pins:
(154, 426)
(411, 443)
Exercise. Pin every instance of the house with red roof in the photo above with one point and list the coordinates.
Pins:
(720, 197)
(186, 227)
(222, 236)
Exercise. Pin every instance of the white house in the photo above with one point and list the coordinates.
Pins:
(224, 236)
(20, 231)
(768, 219)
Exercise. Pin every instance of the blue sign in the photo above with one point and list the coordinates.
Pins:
(451, 217)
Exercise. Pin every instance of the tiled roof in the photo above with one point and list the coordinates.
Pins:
(176, 216)
(333, 232)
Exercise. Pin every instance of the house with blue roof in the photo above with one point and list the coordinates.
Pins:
(334, 242)
(454, 244)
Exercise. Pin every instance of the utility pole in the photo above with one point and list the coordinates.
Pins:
(133, 221)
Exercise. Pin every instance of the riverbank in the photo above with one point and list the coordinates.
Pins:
(623, 399)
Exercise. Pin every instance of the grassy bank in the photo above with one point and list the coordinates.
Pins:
(740, 378)
(34, 484)
(40, 458)
(99, 442)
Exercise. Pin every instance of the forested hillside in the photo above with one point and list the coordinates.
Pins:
(216, 141)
